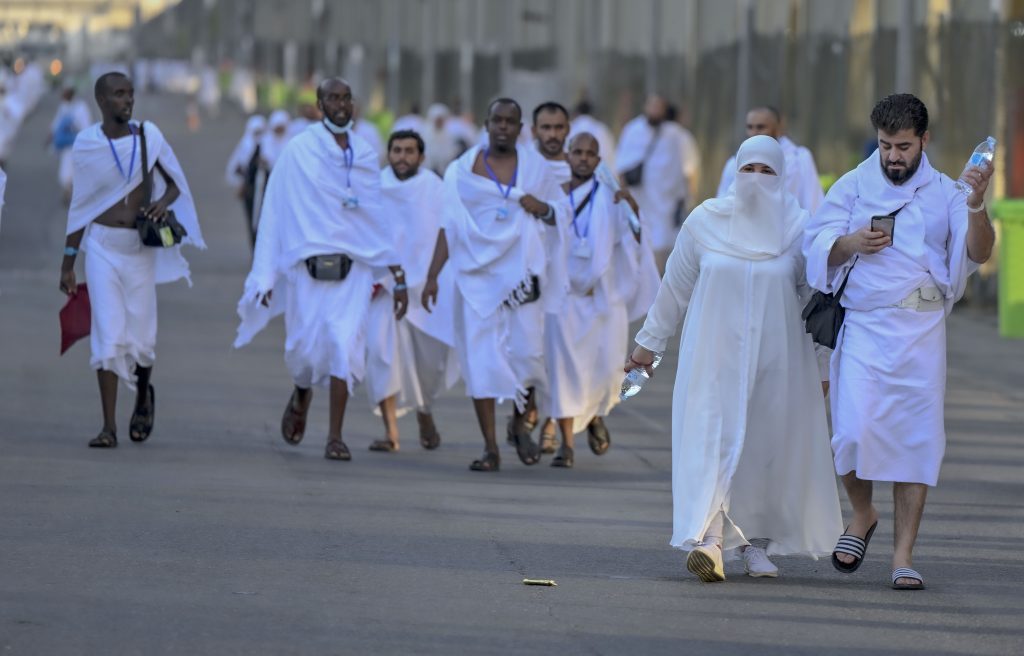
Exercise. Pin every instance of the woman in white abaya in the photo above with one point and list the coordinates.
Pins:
(751, 463)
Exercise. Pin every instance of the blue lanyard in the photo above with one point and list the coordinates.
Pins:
(493, 176)
(117, 160)
(590, 211)
(350, 159)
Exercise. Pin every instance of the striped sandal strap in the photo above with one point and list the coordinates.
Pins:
(906, 573)
(851, 545)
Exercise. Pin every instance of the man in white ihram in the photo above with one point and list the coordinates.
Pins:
(410, 362)
(320, 246)
(888, 370)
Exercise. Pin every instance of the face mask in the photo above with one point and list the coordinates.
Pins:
(334, 129)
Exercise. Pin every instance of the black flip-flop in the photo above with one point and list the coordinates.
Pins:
(105, 440)
(598, 437)
(141, 424)
(853, 546)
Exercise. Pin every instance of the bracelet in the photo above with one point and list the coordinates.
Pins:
(70, 251)
(975, 210)
(401, 287)
(550, 214)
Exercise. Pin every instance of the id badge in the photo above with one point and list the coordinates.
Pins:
(349, 200)
(581, 248)
(502, 212)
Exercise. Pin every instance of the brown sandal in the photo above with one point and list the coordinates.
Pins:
(105, 440)
(336, 450)
(293, 422)
(384, 446)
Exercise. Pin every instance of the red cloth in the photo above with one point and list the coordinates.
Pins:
(75, 318)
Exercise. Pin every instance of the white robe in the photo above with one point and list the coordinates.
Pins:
(303, 215)
(98, 184)
(602, 287)
(500, 348)
(665, 178)
(889, 367)
(122, 274)
(412, 358)
(369, 133)
(749, 435)
(801, 175)
(243, 153)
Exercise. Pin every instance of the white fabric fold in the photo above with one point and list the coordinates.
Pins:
(492, 255)
(99, 184)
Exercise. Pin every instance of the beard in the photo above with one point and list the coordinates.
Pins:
(901, 176)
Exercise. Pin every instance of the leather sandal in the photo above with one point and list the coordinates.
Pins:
(293, 421)
(565, 458)
(490, 462)
(105, 440)
(337, 450)
(141, 424)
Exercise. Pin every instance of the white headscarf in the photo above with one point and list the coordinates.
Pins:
(758, 218)
(244, 150)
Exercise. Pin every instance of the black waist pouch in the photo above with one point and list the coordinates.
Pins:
(329, 267)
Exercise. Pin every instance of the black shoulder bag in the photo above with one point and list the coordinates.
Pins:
(167, 231)
(823, 315)
(635, 176)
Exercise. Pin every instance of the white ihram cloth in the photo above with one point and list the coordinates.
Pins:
(272, 144)
(889, 367)
(368, 132)
(303, 216)
(238, 163)
(412, 358)
(122, 274)
(664, 182)
(749, 435)
(600, 131)
(604, 285)
(500, 348)
(801, 175)
(77, 112)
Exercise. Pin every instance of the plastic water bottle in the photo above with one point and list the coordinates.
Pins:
(635, 379)
(985, 151)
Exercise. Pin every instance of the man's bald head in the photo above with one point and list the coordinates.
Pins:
(332, 84)
(585, 140)
(105, 82)
(334, 100)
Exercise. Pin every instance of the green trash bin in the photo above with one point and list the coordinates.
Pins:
(1010, 215)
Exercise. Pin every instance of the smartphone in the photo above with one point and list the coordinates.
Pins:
(884, 224)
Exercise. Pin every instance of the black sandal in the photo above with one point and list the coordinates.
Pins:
(526, 449)
(598, 438)
(141, 424)
(852, 546)
(510, 428)
(293, 422)
(431, 441)
(105, 440)
(384, 446)
(337, 450)
(491, 462)
(565, 458)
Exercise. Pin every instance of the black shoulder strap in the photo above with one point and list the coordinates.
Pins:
(846, 279)
(147, 175)
(576, 210)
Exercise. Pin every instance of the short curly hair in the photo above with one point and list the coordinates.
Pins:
(899, 112)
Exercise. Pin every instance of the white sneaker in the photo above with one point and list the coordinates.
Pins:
(757, 563)
(706, 562)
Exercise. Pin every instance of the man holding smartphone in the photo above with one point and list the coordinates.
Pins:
(888, 370)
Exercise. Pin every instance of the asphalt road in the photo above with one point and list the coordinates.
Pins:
(215, 537)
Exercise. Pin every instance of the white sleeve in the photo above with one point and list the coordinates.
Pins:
(669, 308)
(829, 223)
